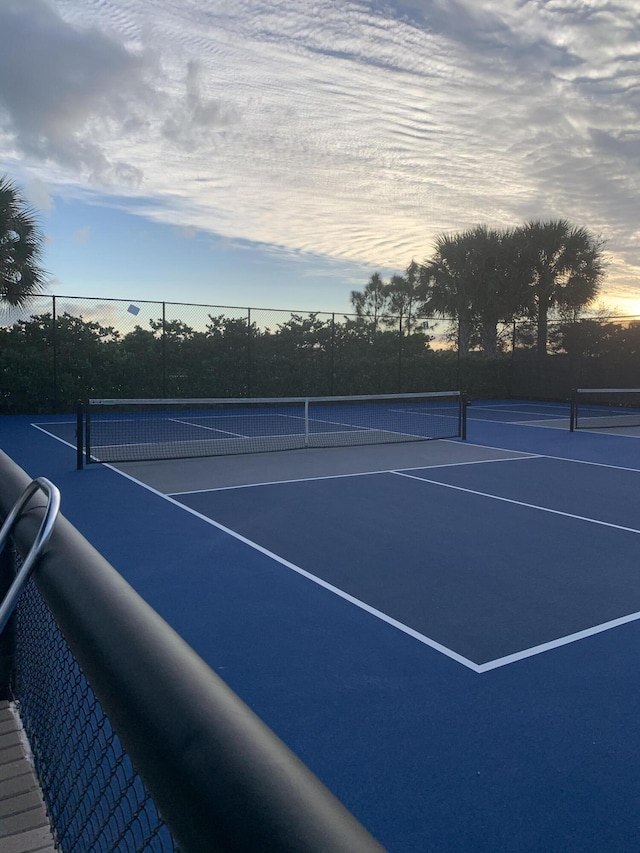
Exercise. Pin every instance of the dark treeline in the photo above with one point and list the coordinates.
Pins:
(50, 360)
(47, 364)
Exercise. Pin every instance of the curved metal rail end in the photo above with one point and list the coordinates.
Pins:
(42, 537)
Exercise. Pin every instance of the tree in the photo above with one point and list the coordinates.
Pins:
(484, 277)
(297, 356)
(372, 302)
(404, 296)
(21, 246)
(447, 285)
(86, 363)
(564, 267)
(500, 290)
(475, 278)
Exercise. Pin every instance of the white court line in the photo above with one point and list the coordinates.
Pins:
(428, 641)
(517, 423)
(504, 406)
(277, 483)
(354, 474)
(559, 458)
(550, 415)
(309, 576)
(555, 644)
(542, 426)
(197, 441)
(536, 424)
(469, 664)
(51, 435)
(210, 429)
(355, 427)
(611, 434)
(519, 503)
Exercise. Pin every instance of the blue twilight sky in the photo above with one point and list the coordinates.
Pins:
(276, 154)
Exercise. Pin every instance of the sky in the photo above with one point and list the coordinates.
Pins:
(277, 154)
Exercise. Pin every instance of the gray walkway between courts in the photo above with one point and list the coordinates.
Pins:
(24, 825)
(172, 476)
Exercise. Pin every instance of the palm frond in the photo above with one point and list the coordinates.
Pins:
(21, 247)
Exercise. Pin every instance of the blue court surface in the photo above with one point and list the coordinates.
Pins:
(447, 632)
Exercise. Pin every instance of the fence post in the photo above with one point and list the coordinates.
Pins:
(54, 344)
(332, 360)
(458, 365)
(164, 350)
(248, 352)
(400, 354)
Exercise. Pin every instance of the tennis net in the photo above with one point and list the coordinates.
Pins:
(605, 408)
(137, 430)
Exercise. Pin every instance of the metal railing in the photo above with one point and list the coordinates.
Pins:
(10, 599)
(138, 744)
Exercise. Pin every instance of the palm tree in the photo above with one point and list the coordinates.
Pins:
(500, 290)
(475, 277)
(447, 282)
(564, 266)
(21, 246)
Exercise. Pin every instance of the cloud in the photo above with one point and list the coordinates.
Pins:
(193, 117)
(39, 194)
(344, 129)
(64, 91)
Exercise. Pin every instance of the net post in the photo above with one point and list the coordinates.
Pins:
(87, 433)
(464, 401)
(79, 435)
(572, 411)
(306, 422)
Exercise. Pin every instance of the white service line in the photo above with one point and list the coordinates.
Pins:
(354, 474)
(555, 644)
(558, 413)
(203, 426)
(519, 503)
(57, 437)
(559, 458)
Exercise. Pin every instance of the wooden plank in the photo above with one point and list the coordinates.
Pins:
(24, 824)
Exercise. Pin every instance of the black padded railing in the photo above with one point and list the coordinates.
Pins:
(172, 757)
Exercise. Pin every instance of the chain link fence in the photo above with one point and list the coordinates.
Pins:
(68, 348)
(95, 799)
(587, 352)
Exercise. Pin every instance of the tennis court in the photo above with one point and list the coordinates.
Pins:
(445, 631)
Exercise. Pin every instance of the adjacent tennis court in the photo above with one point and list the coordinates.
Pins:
(446, 631)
